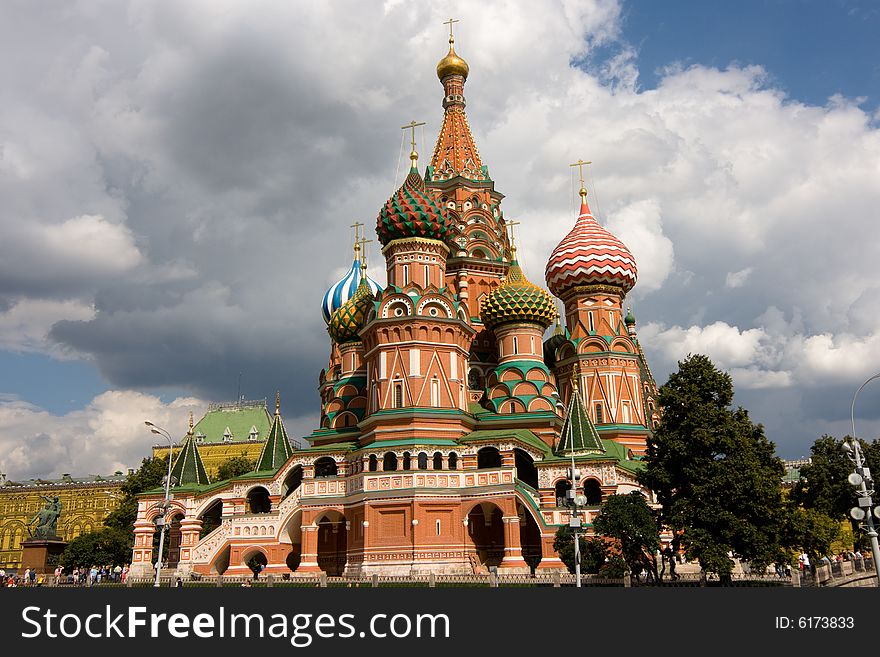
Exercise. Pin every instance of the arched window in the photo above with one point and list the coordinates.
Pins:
(427, 277)
(438, 461)
(405, 274)
(435, 392)
(407, 461)
(599, 418)
(389, 461)
(593, 492)
(453, 461)
(525, 468)
(373, 463)
(562, 487)
(590, 319)
(513, 407)
(325, 467)
(398, 395)
(489, 457)
(423, 461)
(515, 345)
(258, 500)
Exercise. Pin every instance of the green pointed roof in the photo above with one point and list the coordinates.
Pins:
(188, 468)
(276, 450)
(578, 432)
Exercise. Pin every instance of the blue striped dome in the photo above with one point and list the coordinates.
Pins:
(343, 290)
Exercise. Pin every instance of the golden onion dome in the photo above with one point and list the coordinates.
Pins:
(517, 300)
(452, 64)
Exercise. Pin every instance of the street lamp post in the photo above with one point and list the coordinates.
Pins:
(863, 481)
(576, 500)
(159, 431)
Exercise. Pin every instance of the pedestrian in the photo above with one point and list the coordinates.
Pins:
(33, 577)
(27, 576)
(124, 573)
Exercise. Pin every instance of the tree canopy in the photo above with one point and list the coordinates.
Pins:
(629, 520)
(714, 472)
(234, 467)
(150, 475)
(105, 547)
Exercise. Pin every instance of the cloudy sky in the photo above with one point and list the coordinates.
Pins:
(178, 180)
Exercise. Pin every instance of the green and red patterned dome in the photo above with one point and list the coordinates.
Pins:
(411, 212)
(517, 300)
(347, 320)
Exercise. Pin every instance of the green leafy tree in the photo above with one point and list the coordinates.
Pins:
(812, 531)
(150, 475)
(593, 550)
(629, 520)
(234, 467)
(107, 546)
(714, 472)
(822, 485)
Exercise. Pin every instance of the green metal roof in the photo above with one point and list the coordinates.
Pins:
(238, 418)
(188, 468)
(276, 449)
(578, 432)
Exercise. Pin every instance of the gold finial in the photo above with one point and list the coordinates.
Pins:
(363, 245)
(277, 402)
(412, 125)
(575, 375)
(449, 23)
(512, 236)
(580, 164)
(190, 422)
(357, 234)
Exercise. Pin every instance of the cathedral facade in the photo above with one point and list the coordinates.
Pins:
(449, 425)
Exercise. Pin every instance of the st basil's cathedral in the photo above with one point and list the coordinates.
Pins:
(448, 423)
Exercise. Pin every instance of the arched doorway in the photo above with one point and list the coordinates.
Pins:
(529, 537)
(256, 561)
(488, 457)
(258, 500)
(173, 540)
(593, 492)
(221, 563)
(389, 462)
(561, 488)
(526, 471)
(294, 532)
(486, 532)
(292, 481)
(211, 518)
(332, 543)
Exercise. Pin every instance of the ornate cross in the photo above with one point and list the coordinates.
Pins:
(449, 23)
(580, 164)
(510, 225)
(363, 242)
(412, 125)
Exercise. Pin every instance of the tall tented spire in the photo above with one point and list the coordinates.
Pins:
(276, 449)
(455, 153)
(188, 467)
(578, 433)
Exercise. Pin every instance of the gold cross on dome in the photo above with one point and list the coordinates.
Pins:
(510, 225)
(357, 234)
(363, 242)
(580, 165)
(412, 125)
(449, 23)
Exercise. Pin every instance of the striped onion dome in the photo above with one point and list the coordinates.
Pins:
(517, 300)
(344, 289)
(411, 212)
(590, 255)
(349, 318)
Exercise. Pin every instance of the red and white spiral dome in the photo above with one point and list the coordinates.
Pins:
(590, 255)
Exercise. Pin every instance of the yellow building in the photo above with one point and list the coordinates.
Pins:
(85, 501)
(226, 431)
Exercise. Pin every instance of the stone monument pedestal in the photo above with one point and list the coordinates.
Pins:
(41, 554)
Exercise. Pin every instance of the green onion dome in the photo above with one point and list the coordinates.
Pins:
(348, 319)
(517, 300)
(411, 212)
(629, 320)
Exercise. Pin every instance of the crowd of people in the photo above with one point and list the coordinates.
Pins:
(76, 577)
